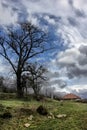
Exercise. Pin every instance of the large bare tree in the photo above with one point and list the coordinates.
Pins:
(21, 43)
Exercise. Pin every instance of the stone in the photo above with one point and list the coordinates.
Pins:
(61, 115)
(51, 114)
(27, 125)
(30, 117)
(49, 117)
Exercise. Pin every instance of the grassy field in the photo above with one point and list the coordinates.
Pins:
(76, 115)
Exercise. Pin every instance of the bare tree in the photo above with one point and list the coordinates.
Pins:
(18, 45)
(35, 76)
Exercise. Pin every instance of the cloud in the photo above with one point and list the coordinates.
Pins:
(57, 83)
(6, 15)
(66, 22)
(80, 90)
(72, 21)
(5, 68)
(67, 13)
(78, 12)
(83, 50)
(54, 80)
(73, 61)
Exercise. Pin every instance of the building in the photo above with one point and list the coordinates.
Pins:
(71, 97)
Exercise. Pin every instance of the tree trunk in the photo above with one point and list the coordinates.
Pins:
(36, 92)
(20, 92)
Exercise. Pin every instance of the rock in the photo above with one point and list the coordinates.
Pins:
(61, 115)
(42, 110)
(51, 114)
(27, 125)
(30, 117)
(49, 117)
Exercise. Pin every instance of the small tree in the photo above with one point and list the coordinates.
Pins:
(36, 76)
(20, 44)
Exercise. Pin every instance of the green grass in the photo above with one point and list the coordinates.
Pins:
(76, 115)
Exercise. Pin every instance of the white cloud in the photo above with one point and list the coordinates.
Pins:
(5, 68)
(71, 26)
(7, 16)
(70, 21)
(49, 20)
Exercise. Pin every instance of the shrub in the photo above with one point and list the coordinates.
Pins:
(26, 111)
(42, 110)
(6, 115)
(1, 107)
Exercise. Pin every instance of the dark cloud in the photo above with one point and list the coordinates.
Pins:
(62, 83)
(76, 72)
(74, 62)
(82, 93)
(72, 21)
(58, 82)
(4, 5)
(82, 60)
(35, 0)
(15, 9)
(53, 75)
(80, 13)
(70, 2)
(83, 49)
(43, 15)
(54, 80)
(55, 18)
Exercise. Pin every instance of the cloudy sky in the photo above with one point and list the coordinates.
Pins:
(66, 21)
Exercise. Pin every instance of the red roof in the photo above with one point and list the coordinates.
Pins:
(71, 96)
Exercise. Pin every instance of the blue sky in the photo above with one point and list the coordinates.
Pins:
(66, 22)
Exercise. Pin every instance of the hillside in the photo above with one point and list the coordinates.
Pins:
(66, 115)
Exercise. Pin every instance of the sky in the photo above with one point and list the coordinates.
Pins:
(66, 22)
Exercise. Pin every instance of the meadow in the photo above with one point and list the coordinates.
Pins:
(24, 112)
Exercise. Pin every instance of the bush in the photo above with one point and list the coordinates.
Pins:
(6, 115)
(1, 107)
(82, 101)
(7, 96)
(42, 110)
